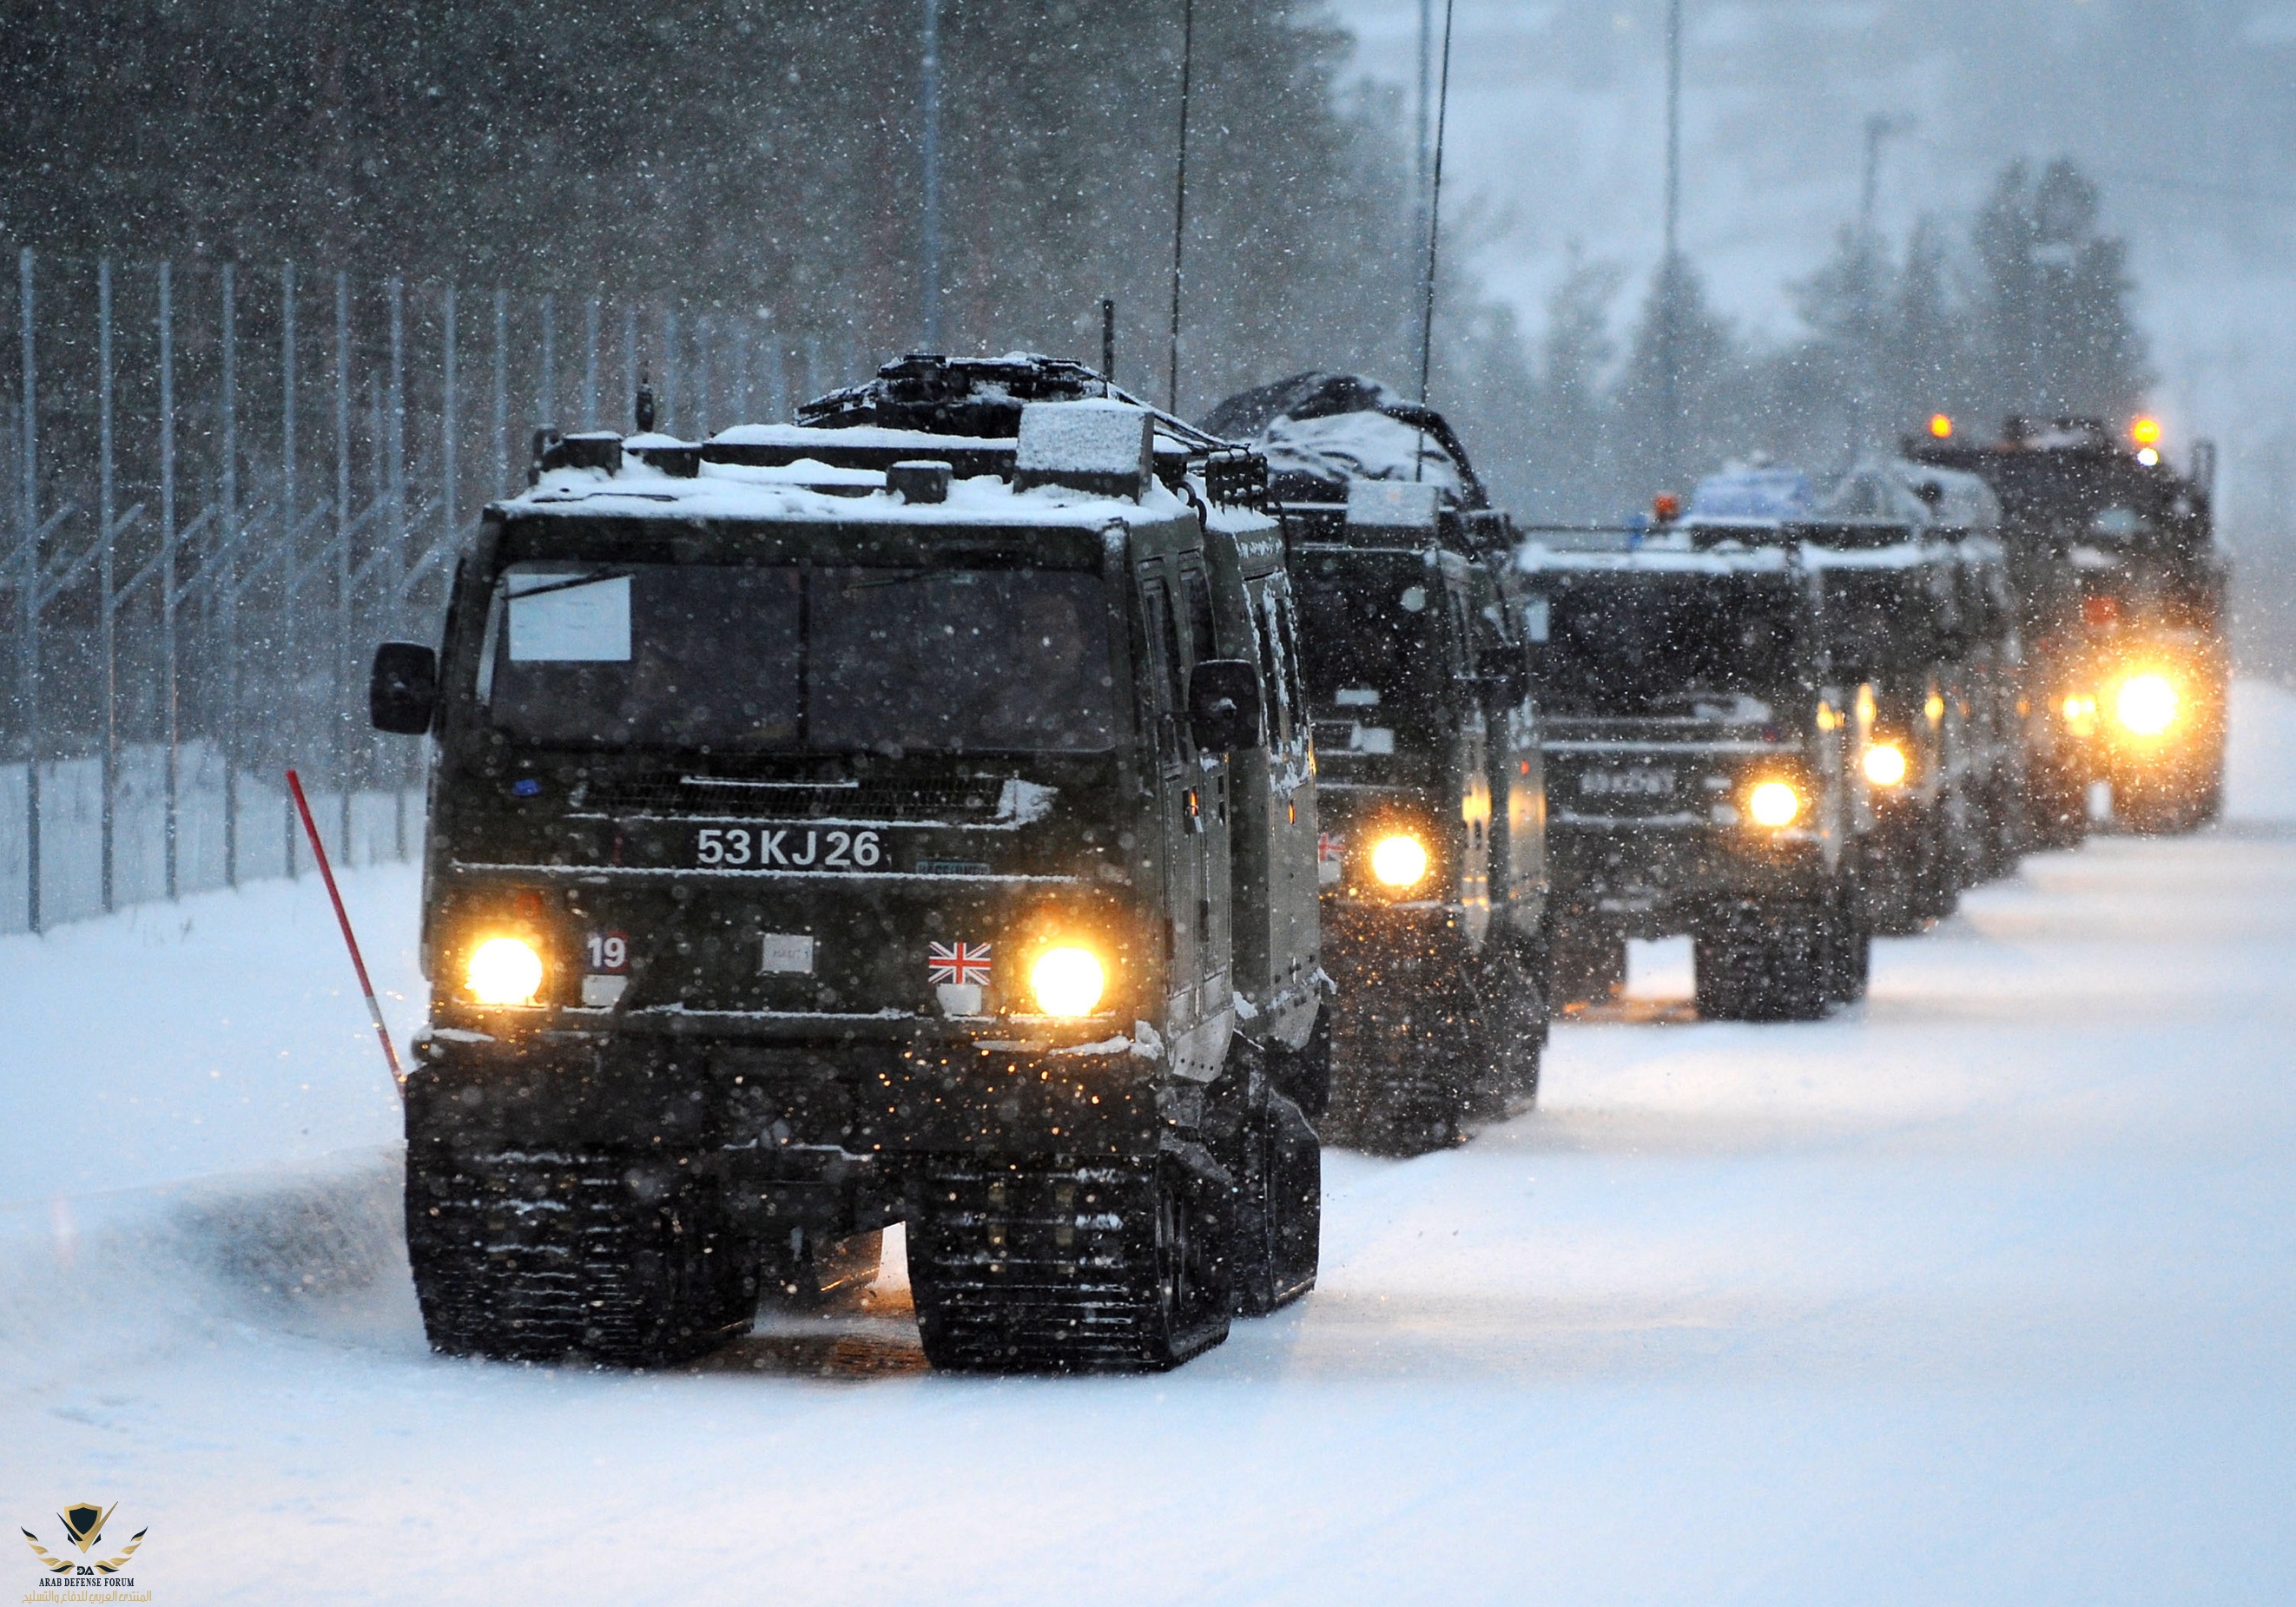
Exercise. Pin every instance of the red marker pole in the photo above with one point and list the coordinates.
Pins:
(326, 873)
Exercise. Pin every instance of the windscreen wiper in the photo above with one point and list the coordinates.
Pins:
(570, 585)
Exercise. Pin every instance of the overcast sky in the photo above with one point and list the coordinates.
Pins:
(2185, 113)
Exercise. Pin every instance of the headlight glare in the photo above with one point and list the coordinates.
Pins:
(1399, 860)
(2145, 704)
(1067, 982)
(503, 971)
(1885, 764)
(1772, 804)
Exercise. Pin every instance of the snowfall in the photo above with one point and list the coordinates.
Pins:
(1984, 1290)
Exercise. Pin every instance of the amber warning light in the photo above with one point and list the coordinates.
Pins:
(1941, 425)
(2145, 431)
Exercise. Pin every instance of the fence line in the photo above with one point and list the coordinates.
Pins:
(200, 571)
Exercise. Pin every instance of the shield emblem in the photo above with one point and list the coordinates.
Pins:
(84, 1521)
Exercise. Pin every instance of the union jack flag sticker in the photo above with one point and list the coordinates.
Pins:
(959, 963)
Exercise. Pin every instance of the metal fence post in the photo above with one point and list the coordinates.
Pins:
(290, 523)
(337, 744)
(108, 580)
(30, 650)
(167, 598)
(227, 593)
(502, 392)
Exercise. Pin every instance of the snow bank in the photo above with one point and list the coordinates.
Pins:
(101, 1281)
(223, 1033)
(2260, 766)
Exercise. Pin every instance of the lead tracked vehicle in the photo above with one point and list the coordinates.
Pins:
(838, 826)
(1433, 867)
(2119, 586)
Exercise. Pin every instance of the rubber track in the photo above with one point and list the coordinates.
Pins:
(1044, 1268)
(531, 1257)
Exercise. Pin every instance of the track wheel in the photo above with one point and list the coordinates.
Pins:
(1760, 964)
(1589, 965)
(531, 1257)
(1276, 1221)
(1064, 1265)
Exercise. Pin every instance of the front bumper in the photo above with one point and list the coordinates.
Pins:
(1654, 882)
(821, 1131)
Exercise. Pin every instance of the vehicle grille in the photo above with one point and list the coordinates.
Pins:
(790, 800)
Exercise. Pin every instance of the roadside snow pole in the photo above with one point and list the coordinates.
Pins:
(342, 918)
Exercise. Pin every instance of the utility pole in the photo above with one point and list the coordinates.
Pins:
(1864, 379)
(1419, 152)
(1180, 202)
(931, 98)
(1669, 272)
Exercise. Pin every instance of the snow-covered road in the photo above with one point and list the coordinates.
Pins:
(1983, 1291)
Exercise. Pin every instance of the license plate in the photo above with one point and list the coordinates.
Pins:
(1634, 780)
(788, 848)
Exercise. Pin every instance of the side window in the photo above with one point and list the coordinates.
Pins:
(1289, 636)
(1275, 685)
(1462, 635)
(1197, 596)
(1164, 663)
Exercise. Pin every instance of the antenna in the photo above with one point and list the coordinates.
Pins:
(931, 98)
(1434, 234)
(1669, 264)
(1107, 341)
(1180, 199)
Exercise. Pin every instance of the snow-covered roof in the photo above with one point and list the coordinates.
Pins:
(1963, 501)
(1657, 558)
(923, 443)
(796, 492)
(1753, 493)
(1319, 430)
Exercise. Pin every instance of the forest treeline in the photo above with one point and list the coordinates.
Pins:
(761, 161)
(2025, 310)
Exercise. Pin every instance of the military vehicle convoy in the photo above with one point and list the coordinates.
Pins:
(904, 815)
(1434, 860)
(1775, 724)
(2119, 588)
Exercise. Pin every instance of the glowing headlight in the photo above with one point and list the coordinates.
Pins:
(1772, 804)
(503, 971)
(2145, 704)
(1399, 861)
(1885, 764)
(1068, 981)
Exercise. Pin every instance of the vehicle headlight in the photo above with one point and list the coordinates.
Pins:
(1067, 982)
(1399, 861)
(2145, 705)
(503, 971)
(1772, 804)
(1885, 764)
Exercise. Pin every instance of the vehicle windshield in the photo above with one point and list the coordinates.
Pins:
(1876, 621)
(746, 659)
(1367, 625)
(1704, 646)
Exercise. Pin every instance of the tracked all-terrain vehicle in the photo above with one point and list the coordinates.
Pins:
(902, 816)
(1433, 858)
(2120, 590)
(1701, 765)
